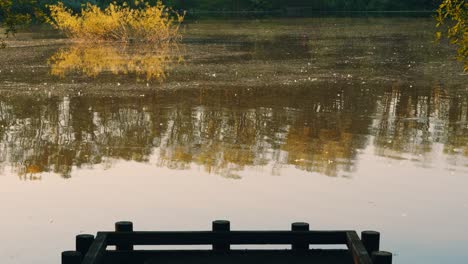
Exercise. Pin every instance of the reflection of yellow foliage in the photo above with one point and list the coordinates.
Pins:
(33, 169)
(118, 22)
(323, 154)
(181, 155)
(147, 62)
(29, 172)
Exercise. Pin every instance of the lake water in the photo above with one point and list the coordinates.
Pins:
(344, 123)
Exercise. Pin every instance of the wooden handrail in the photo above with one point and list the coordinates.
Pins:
(231, 237)
(221, 238)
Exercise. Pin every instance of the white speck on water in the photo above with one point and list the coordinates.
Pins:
(11, 70)
(147, 84)
(160, 124)
(118, 84)
(214, 75)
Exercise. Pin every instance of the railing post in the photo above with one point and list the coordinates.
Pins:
(83, 243)
(71, 257)
(124, 226)
(299, 226)
(371, 241)
(381, 257)
(221, 226)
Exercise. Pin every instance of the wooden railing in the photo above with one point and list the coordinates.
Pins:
(93, 250)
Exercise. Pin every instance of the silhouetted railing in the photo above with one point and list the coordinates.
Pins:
(93, 250)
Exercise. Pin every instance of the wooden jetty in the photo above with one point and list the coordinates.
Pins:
(92, 249)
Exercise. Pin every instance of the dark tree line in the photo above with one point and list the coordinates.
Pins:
(28, 6)
(319, 5)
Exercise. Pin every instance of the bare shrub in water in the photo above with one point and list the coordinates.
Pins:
(145, 23)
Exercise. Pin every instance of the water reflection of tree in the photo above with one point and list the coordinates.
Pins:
(457, 141)
(226, 130)
(413, 120)
(144, 61)
(222, 131)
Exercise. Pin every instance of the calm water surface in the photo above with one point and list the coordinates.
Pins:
(343, 123)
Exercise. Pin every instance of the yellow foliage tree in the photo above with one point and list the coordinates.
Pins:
(452, 16)
(145, 23)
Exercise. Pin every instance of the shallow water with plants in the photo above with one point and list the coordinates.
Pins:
(345, 123)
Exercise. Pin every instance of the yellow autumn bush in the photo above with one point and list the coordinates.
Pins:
(143, 23)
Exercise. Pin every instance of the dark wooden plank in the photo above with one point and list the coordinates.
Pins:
(358, 251)
(97, 249)
(331, 256)
(232, 237)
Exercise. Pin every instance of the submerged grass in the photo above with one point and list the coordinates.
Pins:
(143, 23)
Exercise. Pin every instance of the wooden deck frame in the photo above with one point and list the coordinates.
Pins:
(221, 241)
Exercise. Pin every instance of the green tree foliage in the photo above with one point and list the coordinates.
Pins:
(17, 12)
(452, 16)
(14, 13)
(12, 17)
(318, 5)
(25, 6)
